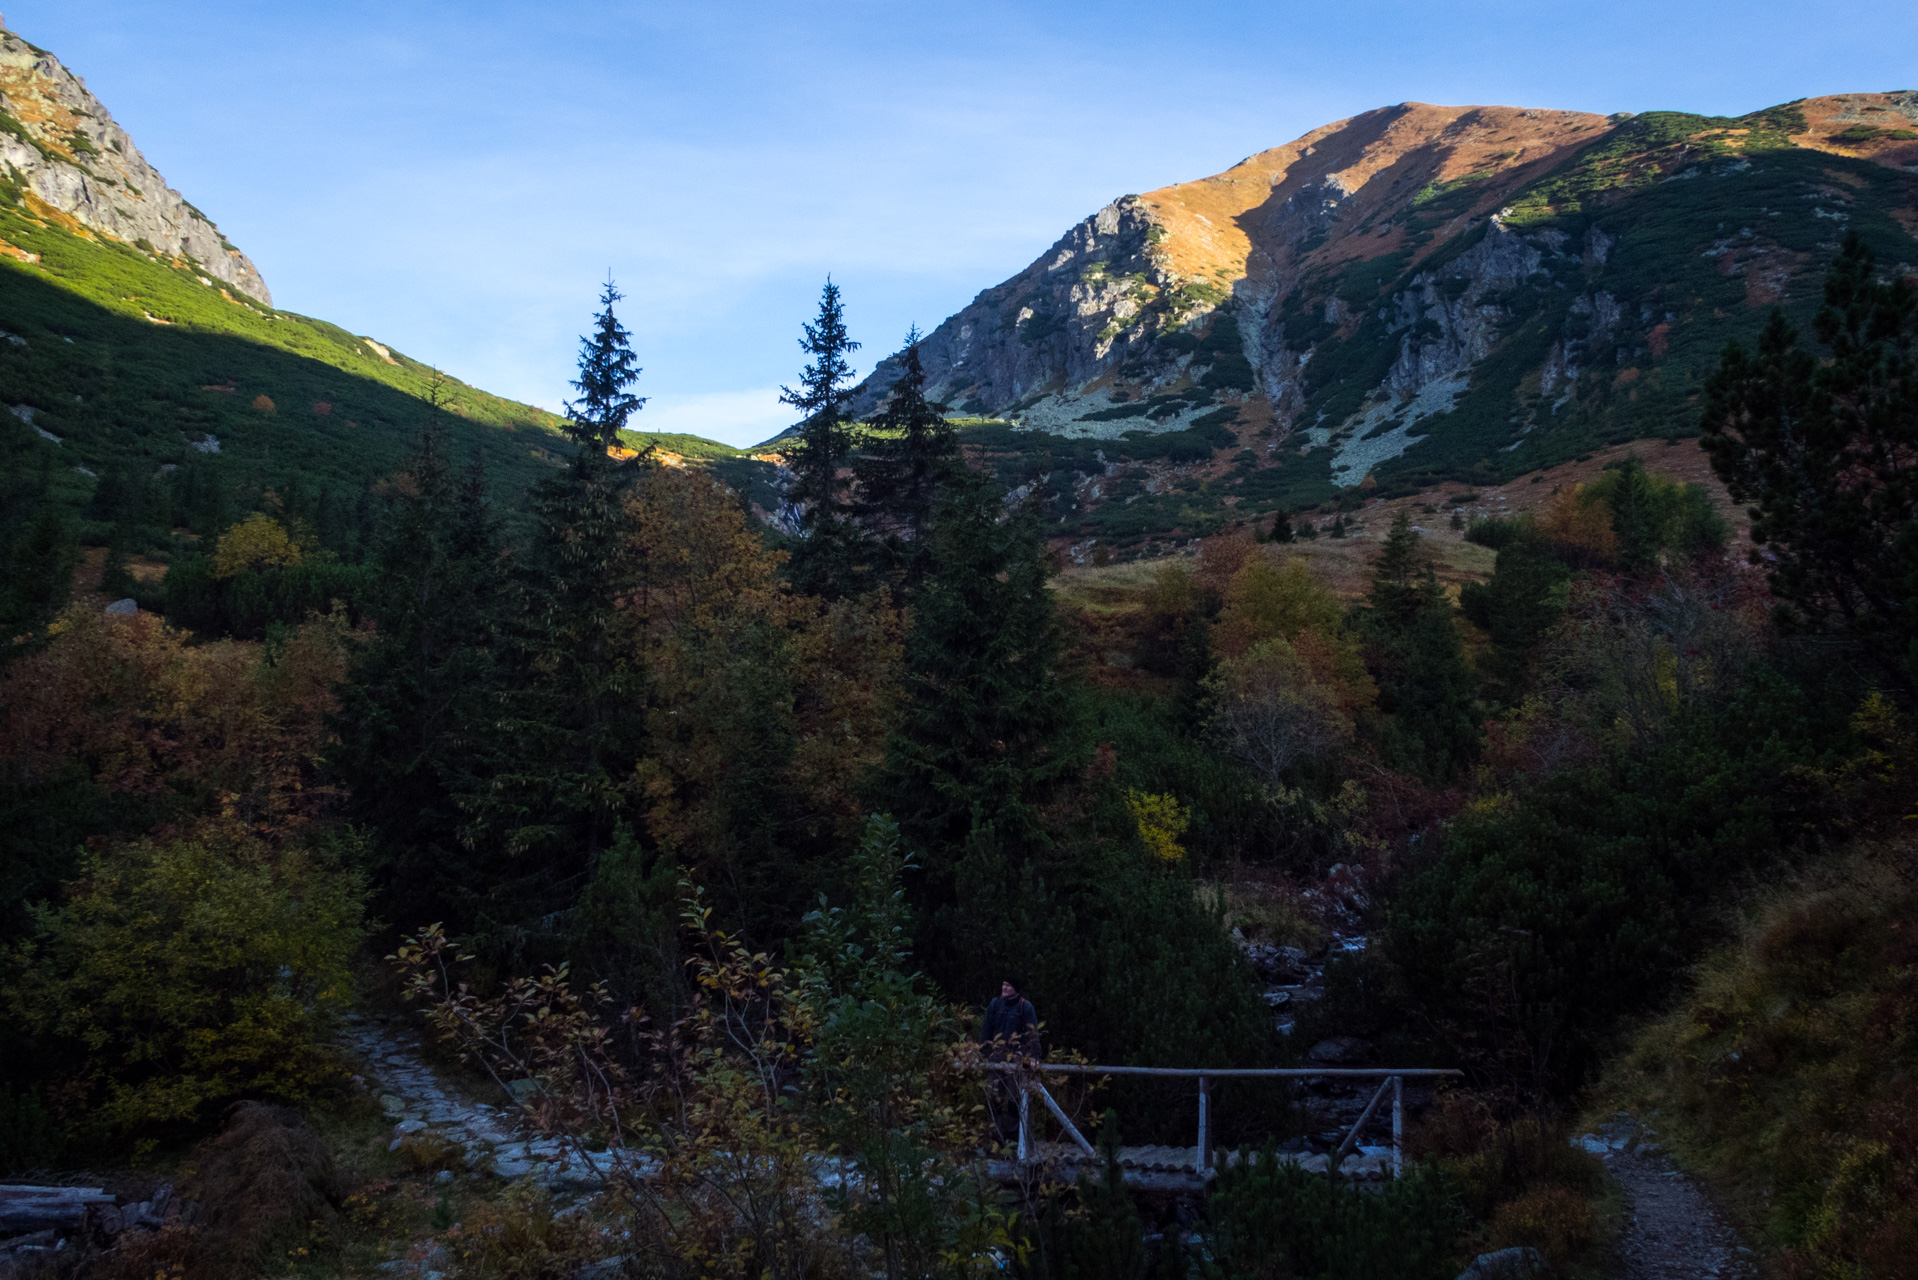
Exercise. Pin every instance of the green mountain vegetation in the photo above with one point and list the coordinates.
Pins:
(151, 410)
(653, 834)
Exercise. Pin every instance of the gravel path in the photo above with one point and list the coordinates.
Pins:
(1673, 1231)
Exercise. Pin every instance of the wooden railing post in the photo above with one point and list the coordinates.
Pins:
(1205, 1127)
(1025, 1121)
(1065, 1121)
(1352, 1138)
(1398, 1126)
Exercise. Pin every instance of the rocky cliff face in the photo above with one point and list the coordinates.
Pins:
(1430, 291)
(64, 158)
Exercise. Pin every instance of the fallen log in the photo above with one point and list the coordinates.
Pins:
(29, 1208)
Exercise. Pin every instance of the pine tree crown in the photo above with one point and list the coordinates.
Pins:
(607, 367)
(824, 381)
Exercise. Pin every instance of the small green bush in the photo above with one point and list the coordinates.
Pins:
(1494, 532)
(187, 972)
(1268, 1218)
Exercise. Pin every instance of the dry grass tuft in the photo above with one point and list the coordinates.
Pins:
(266, 1186)
(1556, 1221)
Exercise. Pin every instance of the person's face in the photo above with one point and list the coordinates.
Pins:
(1008, 991)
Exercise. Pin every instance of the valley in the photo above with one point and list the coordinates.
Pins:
(1440, 595)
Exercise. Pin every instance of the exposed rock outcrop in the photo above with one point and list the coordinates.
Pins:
(62, 155)
(1117, 310)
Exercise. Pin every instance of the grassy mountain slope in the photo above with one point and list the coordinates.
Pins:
(117, 362)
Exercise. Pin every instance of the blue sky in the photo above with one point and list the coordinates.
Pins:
(455, 179)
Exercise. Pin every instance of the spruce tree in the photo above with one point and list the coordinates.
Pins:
(413, 709)
(899, 474)
(1397, 576)
(1282, 527)
(982, 739)
(116, 578)
(1414, 651)
(567, 737)
(825, 561)
(1637, 518)
(607, 370)
(1517, 608)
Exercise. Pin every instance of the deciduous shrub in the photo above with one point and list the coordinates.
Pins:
(184, 972)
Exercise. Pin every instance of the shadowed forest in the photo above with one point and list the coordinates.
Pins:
(703, 843)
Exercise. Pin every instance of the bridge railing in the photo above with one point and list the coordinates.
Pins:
(1029, 1082)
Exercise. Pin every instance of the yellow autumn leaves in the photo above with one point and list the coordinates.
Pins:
(1161, 820)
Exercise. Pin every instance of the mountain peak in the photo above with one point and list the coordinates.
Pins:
(1421, 291)
(66, 158)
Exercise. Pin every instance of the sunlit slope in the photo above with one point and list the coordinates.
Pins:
(132, 363)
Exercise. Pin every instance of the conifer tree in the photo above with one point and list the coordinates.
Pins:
(982, 738)
(1282, 527)
(116, 579)
(565, 739)
(1637, 519)
(1414, 651)
(40, 573)
(1521, 603)
(413, 709)
(1826, 453)
(903, 465)
(824, 562)
(607, 371)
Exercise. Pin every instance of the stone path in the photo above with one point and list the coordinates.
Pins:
(1674, 1231)
(489, 1139)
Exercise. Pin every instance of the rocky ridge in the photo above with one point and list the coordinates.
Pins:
(64, 157)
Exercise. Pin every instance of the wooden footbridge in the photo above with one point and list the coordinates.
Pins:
(1187, 1168)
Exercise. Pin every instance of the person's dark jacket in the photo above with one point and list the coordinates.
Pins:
(1012, 1028)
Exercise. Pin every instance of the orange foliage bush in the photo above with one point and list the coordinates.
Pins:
(259, 540)
(743, 674)
(1285, 601)
(1579, 528)
(204, 727)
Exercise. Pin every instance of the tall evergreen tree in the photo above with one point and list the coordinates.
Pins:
(1637, 518)
(824, 563)
(982, 738)
(912, 451)
(1414, 651)
(1826, 453)
(1517, 608)
(566, 737)
(413, 708)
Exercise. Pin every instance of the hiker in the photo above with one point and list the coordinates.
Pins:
(1011, 1032)
(1012, 1028)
